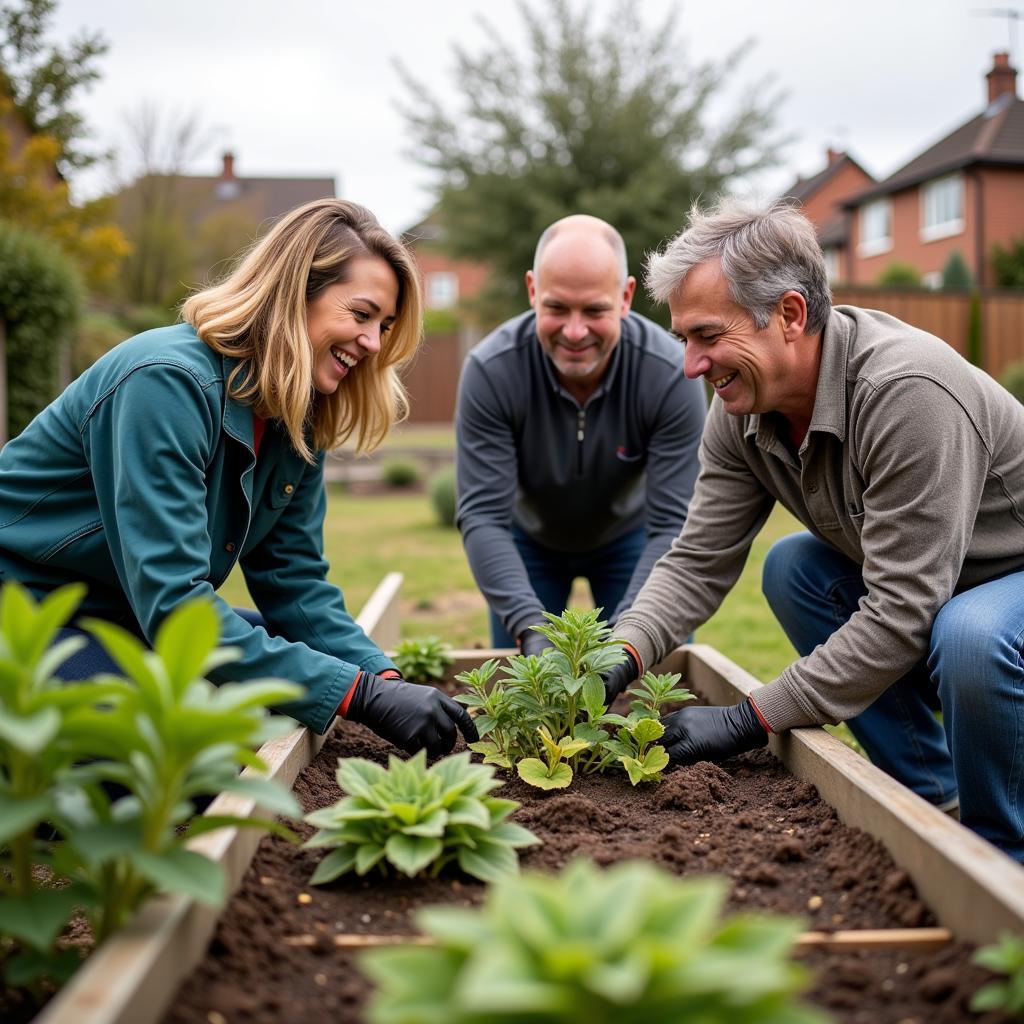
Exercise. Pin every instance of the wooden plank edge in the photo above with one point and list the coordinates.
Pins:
(973, 888)
(132, 977)
(912, 939)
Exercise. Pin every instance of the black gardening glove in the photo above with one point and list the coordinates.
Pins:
(409, 715)
(532, 642)
(617, 679)
(712, 734)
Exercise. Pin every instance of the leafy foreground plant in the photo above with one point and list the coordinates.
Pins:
(422, 659)
(1006, 957)
(630, 945)
(163, 735)
(412, 817)
(560, 694)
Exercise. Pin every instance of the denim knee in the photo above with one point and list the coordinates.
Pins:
(964, 646)
(784, 561)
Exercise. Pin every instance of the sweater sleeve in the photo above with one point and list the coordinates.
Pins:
(486, 475)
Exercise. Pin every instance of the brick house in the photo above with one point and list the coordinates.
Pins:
(821, 199)
(963, 194)
(447, 282)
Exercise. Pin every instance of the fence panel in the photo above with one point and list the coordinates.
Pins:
(947, 315)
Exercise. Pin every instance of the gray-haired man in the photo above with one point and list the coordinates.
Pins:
(576, 438)
(906, 465)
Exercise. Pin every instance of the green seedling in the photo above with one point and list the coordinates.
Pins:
(635, 749)
(653, 692)
(423, 659)
(1006, 957)
(621, 946)
(412, 818)
(553, 772)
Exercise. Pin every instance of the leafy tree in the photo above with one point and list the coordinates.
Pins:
(43, 79)
(955, 274)
(35, 198)
(610, 120)
(1008, 264)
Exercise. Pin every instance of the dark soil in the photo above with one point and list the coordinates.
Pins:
(272, 958)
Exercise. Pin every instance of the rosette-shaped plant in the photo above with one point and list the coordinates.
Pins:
(631, 945)
(409, 817)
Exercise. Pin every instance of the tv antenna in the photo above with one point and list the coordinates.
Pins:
(1012, 16)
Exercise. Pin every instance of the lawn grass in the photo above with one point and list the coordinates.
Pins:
(367, 537)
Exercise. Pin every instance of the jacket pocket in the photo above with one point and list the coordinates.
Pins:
(70, 538)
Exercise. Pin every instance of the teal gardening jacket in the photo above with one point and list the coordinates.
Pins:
(141, 480)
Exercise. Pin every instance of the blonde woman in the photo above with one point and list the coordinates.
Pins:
(187, 449)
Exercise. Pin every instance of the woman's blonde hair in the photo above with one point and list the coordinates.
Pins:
(257, 314)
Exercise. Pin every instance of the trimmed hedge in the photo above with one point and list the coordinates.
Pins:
(40, 303)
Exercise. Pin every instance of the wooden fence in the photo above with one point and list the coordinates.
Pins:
(947, 315)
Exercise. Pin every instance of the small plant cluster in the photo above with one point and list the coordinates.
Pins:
(548, 718)
(109, 768)
(1006, 957)
(422, 659)
(409, 818)
(629, 944)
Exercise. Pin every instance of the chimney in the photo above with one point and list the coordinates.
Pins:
(228, 171)
(1002, 79)
(832, 155)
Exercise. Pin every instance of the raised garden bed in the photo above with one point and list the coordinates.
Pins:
(276, 954)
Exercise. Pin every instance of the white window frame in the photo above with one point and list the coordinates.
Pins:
(876, 244)
(442, 289)
(832, 262)
(942, 207)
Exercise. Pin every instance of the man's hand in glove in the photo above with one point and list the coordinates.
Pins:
(618, 678)
(713, 733)
(407, 714)
(532, 642)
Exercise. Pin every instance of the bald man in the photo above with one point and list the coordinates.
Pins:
(576, 439)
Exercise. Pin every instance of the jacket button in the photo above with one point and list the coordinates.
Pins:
(812, 488)
(229, 546)
(288, 488)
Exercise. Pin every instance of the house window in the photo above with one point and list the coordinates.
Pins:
(875, 228)
(831, 255)
(442, 289)
(942, 208)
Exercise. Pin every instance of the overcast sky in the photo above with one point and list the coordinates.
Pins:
(308, 87)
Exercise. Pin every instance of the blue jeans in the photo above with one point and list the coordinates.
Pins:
(607, 569)
(973, 673)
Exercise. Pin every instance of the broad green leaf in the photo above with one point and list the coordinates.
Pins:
(28, 966)
(185, 639)
(130, 653)
(37, 919)
(21, 815)
(432, 824)
(469, 811)
(105, 841)
(52, 659)
(359, 777)
(337, 862)
(647, 730)
(182, 871)
(29, 733)
(511, 834)
(535, 772)
(410, 854)
(572, 746)
(655, 759)
(406, 813)
(367, 856)
(490, 862)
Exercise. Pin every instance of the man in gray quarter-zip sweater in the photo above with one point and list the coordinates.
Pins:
(576, 439)
(906, 466)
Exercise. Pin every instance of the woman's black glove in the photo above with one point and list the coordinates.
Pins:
(617, 679)
(409, 715)
(712, 734)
